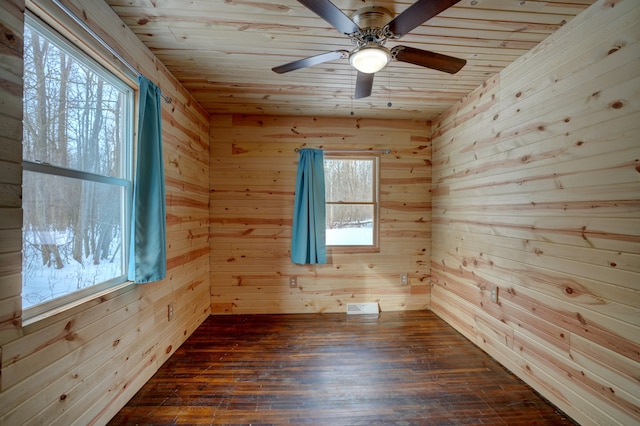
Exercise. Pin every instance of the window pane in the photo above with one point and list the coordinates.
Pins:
(348, 180)
(350, 225)
(77, 118)
(72, 236)
(73, 114)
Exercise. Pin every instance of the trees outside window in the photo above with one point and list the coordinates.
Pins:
(77, 170)
(351, 186)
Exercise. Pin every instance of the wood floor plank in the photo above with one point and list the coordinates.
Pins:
(329, 369)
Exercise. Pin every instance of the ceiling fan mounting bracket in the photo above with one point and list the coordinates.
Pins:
(394, 51)
(370, 35)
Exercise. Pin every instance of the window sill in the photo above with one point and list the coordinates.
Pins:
(31, 323)
(352, 249)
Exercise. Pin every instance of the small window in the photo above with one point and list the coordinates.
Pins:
(352, 203)
(77, 149)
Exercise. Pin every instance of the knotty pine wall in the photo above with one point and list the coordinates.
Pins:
(536, 190)
(253, 174)
(82, 365)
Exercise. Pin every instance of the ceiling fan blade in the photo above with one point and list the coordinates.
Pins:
(416, 14)
(330, 13)
(364, 83)
(311, 60)
(432, 60)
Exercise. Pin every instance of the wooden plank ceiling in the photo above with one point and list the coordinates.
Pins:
(223, 51)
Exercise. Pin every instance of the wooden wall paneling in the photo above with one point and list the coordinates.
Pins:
(535, 191)
(589, 291)
(82, 364)
(10, 164)
(253, 173)
(619, 405)
(603, 362)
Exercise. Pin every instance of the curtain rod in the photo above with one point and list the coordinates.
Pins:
(99, 39)
(353, 151)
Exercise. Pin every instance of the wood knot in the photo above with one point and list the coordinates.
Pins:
(616, 104)
(518, 94)
(168, 351)
(116, 342)
(143, 20)
(568, 290)
(581, 319)
(63, 397)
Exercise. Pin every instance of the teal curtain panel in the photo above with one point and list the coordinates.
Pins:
(148, 249)
(308, 239)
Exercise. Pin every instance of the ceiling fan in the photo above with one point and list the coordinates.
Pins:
(369, 29)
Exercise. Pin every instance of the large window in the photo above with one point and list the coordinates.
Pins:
(77, 171)
(352, 202)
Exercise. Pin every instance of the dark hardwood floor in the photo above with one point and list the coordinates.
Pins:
(402, 368)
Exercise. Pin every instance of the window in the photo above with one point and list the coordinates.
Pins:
(76, 172)
(352, 202)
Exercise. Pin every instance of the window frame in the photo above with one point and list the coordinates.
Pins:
(80, 54)
(375, 246)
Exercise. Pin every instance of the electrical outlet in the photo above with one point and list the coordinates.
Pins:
(293, 282)
(404, 278)
(170, 311)
(494, 294)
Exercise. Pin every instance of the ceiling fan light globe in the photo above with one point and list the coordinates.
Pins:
(370, 59)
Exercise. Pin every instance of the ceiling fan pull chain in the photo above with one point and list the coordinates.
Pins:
(351, 88)
(389, 103)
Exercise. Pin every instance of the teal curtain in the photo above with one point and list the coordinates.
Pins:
(148, 249)
(308, 239)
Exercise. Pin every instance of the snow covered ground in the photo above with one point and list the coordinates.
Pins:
(41, 283)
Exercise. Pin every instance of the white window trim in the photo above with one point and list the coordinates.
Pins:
(375, 247)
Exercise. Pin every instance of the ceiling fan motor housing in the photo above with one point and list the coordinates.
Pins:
(372, 21)
(372, 17)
